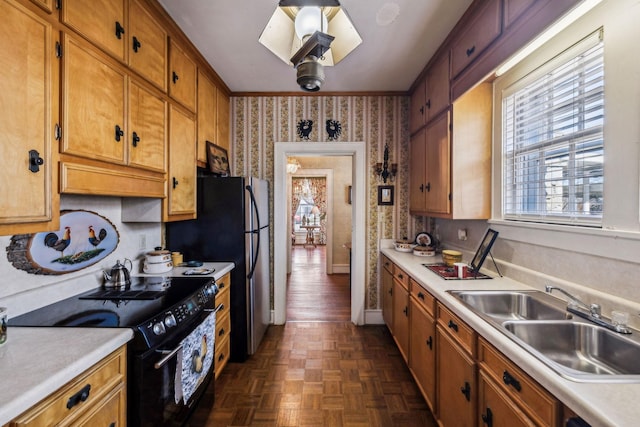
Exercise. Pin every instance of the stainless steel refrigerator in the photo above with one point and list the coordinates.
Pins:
(233, 225)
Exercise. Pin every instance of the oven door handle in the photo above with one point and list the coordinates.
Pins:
(168, 355)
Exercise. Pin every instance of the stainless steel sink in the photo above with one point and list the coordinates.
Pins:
(574, 347)
(581, 347)
(503, 306)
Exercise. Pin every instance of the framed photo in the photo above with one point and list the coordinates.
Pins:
(218, 159)
(483, 250)
(385, 195)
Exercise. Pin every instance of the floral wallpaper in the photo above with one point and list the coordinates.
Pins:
(259, 122)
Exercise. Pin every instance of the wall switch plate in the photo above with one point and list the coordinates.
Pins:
(462, 234)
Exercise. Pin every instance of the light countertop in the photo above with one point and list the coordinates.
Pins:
(600, 404)
(35, 362)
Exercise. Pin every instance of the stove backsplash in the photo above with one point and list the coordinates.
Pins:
(22, 292)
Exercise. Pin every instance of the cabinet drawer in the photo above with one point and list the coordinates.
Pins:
(534, 400)
(101, 378)
(401, 276)
(222, 355)
(484, 29)
(387, 264)
(223, 297)
(110, 412)
(495, 407)
(223, 326)
(460, 331)
(422, 297)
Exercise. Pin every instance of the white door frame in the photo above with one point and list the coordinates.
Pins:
(357, 151)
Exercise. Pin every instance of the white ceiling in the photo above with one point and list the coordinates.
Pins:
(389, 59)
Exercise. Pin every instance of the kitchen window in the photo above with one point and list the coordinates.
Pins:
(552, 139)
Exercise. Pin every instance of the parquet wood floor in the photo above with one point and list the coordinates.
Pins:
(319, 373)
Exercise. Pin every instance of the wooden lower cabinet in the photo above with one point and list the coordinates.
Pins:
(223, 324)
(401, 318)
(422, 357)
(387, 292)
(496, 409)
(457, 385)
(103, 402)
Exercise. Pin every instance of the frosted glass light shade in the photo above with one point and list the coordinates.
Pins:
(309, 20)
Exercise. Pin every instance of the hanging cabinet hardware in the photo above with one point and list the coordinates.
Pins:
(57, 132)
(135, 139)
(406, 312)
(421, 110)
(400, 276)
(453, 325)
(136, 44)
(119, 30)
(509, 380)
(175, 182)
(35, 161)
(221, 333)
(471, 50)
(421, 296)
(430, 343)
(119, 133)
(174, 76)
(429, 103)
(487, 417)
(58, 50)
(80, 396)
(466, 390)
(428, 187)
(422, 188)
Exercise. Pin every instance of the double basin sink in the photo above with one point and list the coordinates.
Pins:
(573, 347)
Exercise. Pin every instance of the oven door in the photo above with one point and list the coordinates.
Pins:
(152, 384)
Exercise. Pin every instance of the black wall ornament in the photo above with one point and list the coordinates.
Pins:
(334, 129)
(304, 129)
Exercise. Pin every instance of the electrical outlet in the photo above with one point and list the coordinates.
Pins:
(142, 242)
(462, 234)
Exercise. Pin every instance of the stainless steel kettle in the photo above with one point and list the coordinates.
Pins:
(119, 278)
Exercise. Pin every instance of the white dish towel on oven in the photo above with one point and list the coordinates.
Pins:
(195, 359)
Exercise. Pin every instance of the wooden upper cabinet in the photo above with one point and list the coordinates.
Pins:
(513, 9)
(417, 165)
(147, 129)
(223, 112)
(182, 77)
(431, 97)
(29, 88)
(45, 4)
(207, 115)
(94, 96)
(100, 21)
(147, 42)
(484, 28)
(181, 200)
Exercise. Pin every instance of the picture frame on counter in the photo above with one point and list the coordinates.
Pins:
(385, 195)
(218, 159)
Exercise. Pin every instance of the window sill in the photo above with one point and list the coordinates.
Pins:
(615, 244)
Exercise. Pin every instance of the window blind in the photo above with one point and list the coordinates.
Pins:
(553, 141)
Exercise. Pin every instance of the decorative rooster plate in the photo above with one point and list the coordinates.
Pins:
(84, 238)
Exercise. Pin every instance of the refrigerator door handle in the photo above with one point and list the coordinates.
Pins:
(254, 205)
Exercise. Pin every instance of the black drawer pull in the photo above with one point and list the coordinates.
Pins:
(421, 296)
(80, 396)
(428, 104)
(119, 30)
(119, 133)
(509, 380)
(430, 343)
(135, 139)
(221, 357)
(471, 50)
(35, 161)
(400, 276)
(487, 418)
(406, 311)
(174, 77)
(221, 333)
(453, 325)
(136, 44)
(175, 182)
(466, 390)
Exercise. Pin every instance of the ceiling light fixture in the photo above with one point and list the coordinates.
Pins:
(309, 35)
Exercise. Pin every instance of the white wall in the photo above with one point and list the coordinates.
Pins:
(21, 291)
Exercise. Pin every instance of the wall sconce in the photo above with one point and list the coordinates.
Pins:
(383, 170)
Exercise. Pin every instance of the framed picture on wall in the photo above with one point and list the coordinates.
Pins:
(385, 195)
(218, 159)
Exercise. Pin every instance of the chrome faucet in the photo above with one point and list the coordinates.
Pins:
(593, 312)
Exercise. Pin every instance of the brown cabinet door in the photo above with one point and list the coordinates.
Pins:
(182, 77)
(513, 9)
(417, 165)
(223, 111)
(457, 386)
(29, 111)
(94, 94)
(207, 102)
(100, 21)
(422, 359)
(401, 318)
(438, 167)
(182, 170)
(387, 296)
(481, 32)
(438, 85)
(496, 409)
(147, 44)
(147, 127)
(418, 112)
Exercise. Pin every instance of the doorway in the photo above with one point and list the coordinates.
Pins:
(356, 151)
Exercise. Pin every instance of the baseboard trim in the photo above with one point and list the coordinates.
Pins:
(373, 317)
(341, 269)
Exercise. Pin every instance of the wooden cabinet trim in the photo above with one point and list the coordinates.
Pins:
(422, 297)
(464, 335)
